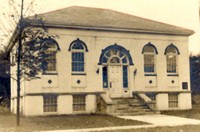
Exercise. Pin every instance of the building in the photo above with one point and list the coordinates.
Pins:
(104, 55)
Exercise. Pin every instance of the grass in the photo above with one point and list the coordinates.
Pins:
(28, 124)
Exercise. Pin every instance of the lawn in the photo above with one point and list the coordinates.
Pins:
(28, 124)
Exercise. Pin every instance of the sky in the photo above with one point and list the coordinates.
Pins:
(182, 13)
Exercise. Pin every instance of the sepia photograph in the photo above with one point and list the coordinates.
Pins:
(99, 66)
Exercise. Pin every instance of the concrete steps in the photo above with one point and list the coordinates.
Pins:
(131, 106)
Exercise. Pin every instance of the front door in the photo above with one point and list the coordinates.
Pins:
(115, 81)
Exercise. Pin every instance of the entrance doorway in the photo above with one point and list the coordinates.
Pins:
(115, 61)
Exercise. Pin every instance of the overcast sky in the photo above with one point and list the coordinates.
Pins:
(183, 13)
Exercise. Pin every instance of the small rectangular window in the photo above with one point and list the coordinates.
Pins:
(173, 100)
(184, 85)
(50, 103)
(125, 76)
(105, 77)
(79, 102)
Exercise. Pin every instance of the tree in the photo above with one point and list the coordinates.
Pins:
(31, 47)
(195, 73)
(34, 58)
(4, 80)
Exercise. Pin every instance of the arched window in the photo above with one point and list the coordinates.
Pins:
(52, 48)
(78, 49)
(171, 53)
(149, 52)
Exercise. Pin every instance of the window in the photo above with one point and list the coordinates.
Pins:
(149, 52)
(125, 76)
(171, 58)
(51, 61)
(79, 103)
(77, 62)
(105, 77)
(78, 49)
(173, 100)
(51, 51)
(50, 103)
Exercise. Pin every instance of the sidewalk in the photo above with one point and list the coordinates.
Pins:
(163, 120)
(155, 120)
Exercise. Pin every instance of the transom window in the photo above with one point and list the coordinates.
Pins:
(149, 52)
(115, 57)
(171, 58)
(78, 49)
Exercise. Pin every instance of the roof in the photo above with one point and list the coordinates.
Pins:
(88, 18)
(98, 18)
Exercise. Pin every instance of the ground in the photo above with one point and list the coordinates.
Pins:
(28, 124)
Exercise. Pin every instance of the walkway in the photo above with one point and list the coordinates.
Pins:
(163, 120)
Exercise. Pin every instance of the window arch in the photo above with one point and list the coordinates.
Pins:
(171, 53)
(149, 51)
(78, 49)
(115, 50)
(51, 49)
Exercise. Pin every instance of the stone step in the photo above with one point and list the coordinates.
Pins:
(125, 106)
(132, 110)
(131, 106)
(133, 114)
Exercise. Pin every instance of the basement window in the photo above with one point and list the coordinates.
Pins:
(79, 103)
(173, 100)
(50, 103)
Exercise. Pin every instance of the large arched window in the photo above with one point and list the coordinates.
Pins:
(52, 48)
(149, 52)
(78, 49)
(171, 53)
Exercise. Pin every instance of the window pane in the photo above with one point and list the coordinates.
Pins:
(173, 100)
(51, 60)
(125, 76)
(79, 103)
(115, 60)
(50, 103)
(78, 61)
(171, 50)
(171, 63)
(124, 60)
(104, 60)
(105, 77)
(149, 63)
(149, 49)
(78, 46)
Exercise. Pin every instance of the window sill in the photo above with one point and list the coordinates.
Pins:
(50, 113)
(83, 74)
(175, 74)
(49, 73)
(150, 74)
